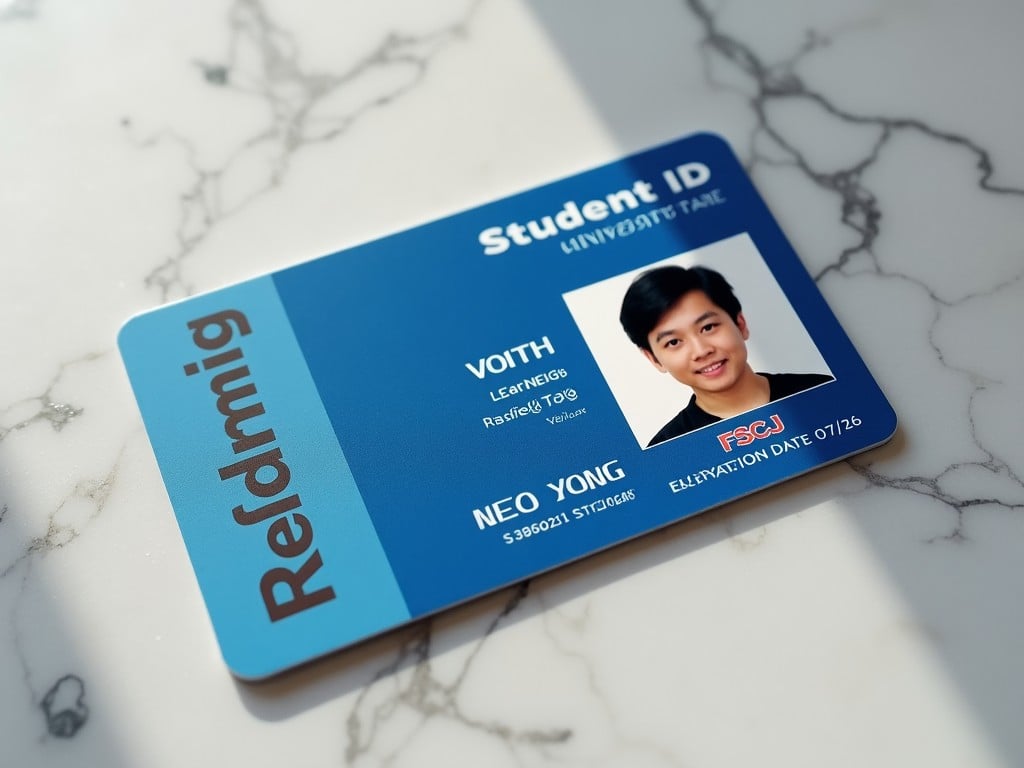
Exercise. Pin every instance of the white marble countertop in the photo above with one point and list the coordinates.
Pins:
(867, 614)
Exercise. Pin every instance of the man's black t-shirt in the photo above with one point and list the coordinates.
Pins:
(692, 417)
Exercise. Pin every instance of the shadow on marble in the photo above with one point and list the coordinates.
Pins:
(957, 568)
(949, 554)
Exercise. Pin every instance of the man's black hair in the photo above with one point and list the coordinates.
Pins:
(654, 292)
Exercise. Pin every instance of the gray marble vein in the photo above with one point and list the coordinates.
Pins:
(64, 707)
(61, 530)
(299, 111)
(779, 81)
(44, 407)
(567, 635)
(860, 211)
(395, 690)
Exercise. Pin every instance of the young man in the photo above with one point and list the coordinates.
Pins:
(689, 323)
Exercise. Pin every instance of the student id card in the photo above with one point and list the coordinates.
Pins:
(372, 436)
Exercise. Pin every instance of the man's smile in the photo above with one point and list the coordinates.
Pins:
(712, 369)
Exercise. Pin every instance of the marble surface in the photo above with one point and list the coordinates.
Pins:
(868, 614)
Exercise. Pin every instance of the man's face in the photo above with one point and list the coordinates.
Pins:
(699, 344)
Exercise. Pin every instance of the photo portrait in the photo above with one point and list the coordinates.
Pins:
(702, 336)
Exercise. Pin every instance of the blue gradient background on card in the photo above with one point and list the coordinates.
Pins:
(360, 358)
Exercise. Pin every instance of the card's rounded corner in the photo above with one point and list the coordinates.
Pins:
(887, 424)
(244, 671)
(713, 137)
(890, 429)
(128, 330)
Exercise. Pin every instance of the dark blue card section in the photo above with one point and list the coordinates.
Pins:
(453, 398)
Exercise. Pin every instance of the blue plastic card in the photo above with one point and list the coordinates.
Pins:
(370, 437)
